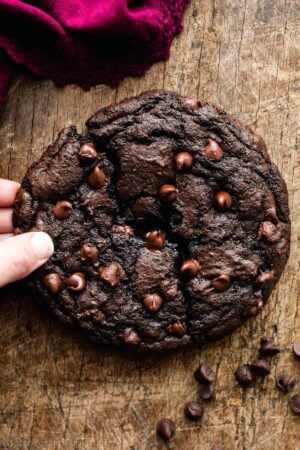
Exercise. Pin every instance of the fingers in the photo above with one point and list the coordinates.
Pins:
(21, 255)
(6, 225)
(8, 192)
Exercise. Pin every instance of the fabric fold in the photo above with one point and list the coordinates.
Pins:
(86, 42)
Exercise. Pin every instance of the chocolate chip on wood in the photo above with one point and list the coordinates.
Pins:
(204, 374)
(261, 367)
(286, 382)
(166, 429)
(268, 347)
(244, 375)
(194, 410)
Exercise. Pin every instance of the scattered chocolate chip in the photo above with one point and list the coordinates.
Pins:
(261, 367)
(52, 282)
(269, 232)
(88, 152)
(295, 404)
(213, 150)
(168, 193)
(264, 278)
(129, 336)
(88, 253)
(194, 410)
(184, 161)
(286, 382)
(204, 374)
(76, 282)
(221, 283)
(256, 309)
(222, 200)
(62, 210)
(153, 302)
(155, 240)
(177, 328)
(296, 349)
(97, 178)
(190, 268)
(111, 274)
(268, 347)
(207, 392)
(166, 429)
(244, 375)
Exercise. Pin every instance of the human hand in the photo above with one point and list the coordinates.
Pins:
(19, 255)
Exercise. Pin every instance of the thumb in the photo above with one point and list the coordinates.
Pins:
(20, 255)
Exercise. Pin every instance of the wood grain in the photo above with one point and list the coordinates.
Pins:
(59, 392)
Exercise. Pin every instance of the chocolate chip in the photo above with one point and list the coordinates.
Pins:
(97, 178)
(62, 210)
(190, 268)
(269, 232)
(168, 193)
(264, 278)
(166, 429)
(52, 282)
(261, 367)
(111, 274)
(155, 240)
(222, 200)
(88, 152)
(221, 283)
(184, 161)
(204, 374)
(76, 282)
(213, 150)
(295, 404)
(207, 392)
(256, 309)
(268, 347)
(88, 253)
(130, 336)
(152, 302)
(177, 328)
(296, 349)
(244, 375)
(286, 382)
(193, 410)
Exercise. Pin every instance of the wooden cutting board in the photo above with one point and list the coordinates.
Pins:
(57, 391)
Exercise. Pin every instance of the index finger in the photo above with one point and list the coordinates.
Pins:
(8, 192)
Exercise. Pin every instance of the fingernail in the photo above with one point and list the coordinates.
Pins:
(42, 245)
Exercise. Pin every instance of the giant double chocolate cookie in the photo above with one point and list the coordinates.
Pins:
(170, 223)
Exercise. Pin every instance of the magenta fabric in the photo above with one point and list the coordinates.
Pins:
(86, 42)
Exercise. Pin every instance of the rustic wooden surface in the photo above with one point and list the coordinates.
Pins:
(59, 392)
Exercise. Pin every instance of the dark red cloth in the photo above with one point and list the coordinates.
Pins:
(86, 42)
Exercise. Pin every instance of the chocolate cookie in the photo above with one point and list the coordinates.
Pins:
(170, 223)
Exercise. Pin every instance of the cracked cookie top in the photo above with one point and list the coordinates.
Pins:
(169, 220)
